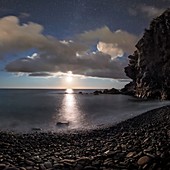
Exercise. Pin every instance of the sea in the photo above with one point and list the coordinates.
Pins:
(66, 110)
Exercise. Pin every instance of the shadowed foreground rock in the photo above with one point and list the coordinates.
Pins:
(149, 66)
(139, 143)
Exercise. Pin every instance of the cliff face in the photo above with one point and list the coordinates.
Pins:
(149, 66)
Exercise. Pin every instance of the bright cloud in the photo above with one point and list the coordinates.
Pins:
(111, 49)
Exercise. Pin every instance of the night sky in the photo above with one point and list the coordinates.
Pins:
(45, 42)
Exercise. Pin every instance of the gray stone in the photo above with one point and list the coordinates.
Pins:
(28, 162)
(42, 167)
(11, 168)
(22, 168)
(90, 168)
(48, 164)
(84, 160)
(78, 167)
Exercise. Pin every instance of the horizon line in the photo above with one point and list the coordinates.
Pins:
(6, 88)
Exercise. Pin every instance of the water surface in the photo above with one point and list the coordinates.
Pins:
(22, 110)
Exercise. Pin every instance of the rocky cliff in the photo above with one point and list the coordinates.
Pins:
(149, 66)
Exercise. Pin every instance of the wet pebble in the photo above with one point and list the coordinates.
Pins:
(130, 154)
(143, 160)
(90, 168)
(48, 164)
(138, 143)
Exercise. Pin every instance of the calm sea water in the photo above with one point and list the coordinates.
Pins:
(22, 110)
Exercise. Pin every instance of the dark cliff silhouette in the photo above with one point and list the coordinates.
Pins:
(149, 66)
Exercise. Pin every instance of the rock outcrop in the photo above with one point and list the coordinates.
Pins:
(111, 91)
(107, 91)
(149, 66)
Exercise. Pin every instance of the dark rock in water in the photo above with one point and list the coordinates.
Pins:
(149, 66)
(111, 91)
(62, 123)
(107, 91)
(97, 92)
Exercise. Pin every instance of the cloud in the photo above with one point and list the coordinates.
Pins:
(37, 74)
(151, 11)
(17, 38)
(91, 64)
(94, 64)
(146, 10)
(24, 15)
(119, 38)
(60, 56)
(124, 80)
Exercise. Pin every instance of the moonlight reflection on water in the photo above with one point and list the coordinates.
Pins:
(69, 91)
(70, 111)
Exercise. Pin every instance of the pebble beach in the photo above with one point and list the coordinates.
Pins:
(142, 142)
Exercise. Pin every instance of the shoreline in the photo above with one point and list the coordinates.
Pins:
(141, 142)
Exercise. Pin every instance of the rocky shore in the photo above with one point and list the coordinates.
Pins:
(142, 142)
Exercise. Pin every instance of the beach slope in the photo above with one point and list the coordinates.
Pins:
(142, 142)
